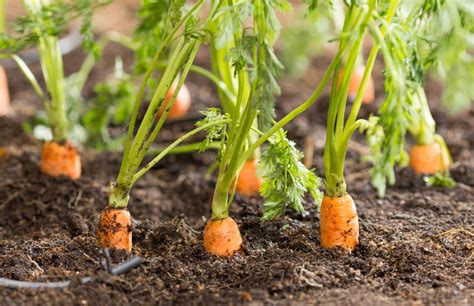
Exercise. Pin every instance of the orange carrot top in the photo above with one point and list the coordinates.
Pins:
(430, 158)
(222, 237)
(181, 104)
(430, 153)
(115, 229)
(60, 159)
(339, 224)
(248, 183)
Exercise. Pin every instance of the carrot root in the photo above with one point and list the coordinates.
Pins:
(248, 183)
(181, 105)
(60, 159)
(339, 223)
(428, 159)
(4, 93)
(115, 229)
(222, 237)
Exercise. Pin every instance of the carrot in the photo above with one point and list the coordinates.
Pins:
(115, 229)
(60, 159)
(339, 223)
(248, 183)
(4, 94)
(428, 159)
(222, 237)
(354, 84)
(180, 106)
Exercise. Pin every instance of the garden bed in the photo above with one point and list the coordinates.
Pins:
(416, 244)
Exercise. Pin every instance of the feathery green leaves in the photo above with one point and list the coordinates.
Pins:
(440, 179)
(51, 20)
(216, 132)
(285, 179)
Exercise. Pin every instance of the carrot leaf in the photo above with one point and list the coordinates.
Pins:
(441, 179)
(52, 20)
(216, 132)
(285, 179)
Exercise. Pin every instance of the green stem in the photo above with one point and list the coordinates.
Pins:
(137, 147)
(231, 161)
(187, 66)
(222, 68)
(164, 45)
(334, 167)
(297, 111)
(185, 149)
(138, 144)
(334, 159)
(160, 156)
(30, 77)
(426, 124)
(207, 74)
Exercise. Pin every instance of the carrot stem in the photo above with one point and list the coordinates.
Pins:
(53, 73)
(163, 153)
(338, 139)
(164, 45)
(137, 147)
(184, 149)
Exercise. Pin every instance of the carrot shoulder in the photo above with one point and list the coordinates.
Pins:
(339, 223)
(248, 183)
(4, 94)
(428, 159)
(115, 229)
(181, 105)
(222, 237)
(60, 159)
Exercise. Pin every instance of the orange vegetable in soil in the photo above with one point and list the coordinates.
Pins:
(180, 106)
(60, 159)
(115, 229)
(339, 223)
(428, 159)
(248, 183)
(354, 84)
(222, 237)
(4, 94)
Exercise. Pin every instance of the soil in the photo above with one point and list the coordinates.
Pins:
(416, 245)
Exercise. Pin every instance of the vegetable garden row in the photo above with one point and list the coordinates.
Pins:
(243, 149)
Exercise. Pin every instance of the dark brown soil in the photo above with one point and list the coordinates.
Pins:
(416, 246)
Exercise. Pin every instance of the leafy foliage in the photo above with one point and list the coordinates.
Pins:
(52, 20)
(441, 179)
(412, 46)
(286, 179)
(304, 37)
(403, 78)
(216, 132)
(230, 25)
(155, 20)
(112, 105)
(446, 33)
(89, 121)
(254, 51)
(269, 68)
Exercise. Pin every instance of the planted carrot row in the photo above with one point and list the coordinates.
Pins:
(254, 154)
